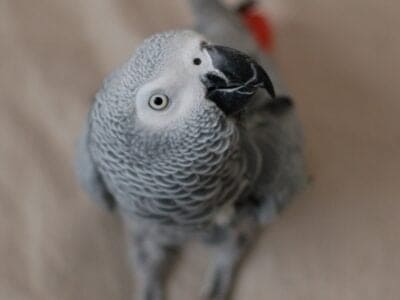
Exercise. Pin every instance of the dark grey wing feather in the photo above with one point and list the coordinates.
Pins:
(277, 135)
(88, 175)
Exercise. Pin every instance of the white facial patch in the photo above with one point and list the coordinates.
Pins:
(179, 81)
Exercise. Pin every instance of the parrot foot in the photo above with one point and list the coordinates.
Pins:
(230, 252)
(218, 285)
(152, 260)
(152, 292)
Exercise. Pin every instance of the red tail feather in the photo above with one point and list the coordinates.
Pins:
(259, 26)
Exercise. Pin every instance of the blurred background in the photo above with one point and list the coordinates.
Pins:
(339, 240)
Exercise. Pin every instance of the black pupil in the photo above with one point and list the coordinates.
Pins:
(158, 101)
(197, 61)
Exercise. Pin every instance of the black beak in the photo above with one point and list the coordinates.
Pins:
(237, 78)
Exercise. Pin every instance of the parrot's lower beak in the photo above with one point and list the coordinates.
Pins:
(236, 78)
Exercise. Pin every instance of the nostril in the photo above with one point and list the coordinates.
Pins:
(197, 61)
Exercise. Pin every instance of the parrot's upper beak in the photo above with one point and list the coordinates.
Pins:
(236, 79)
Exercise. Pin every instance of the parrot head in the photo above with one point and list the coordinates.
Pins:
(174, 74)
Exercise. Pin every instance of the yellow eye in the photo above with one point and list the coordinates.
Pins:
(158, 102)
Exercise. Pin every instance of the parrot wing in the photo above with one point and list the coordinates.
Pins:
(89, 177)
(277, 137)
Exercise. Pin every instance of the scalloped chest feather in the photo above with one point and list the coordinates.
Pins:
(180, 176)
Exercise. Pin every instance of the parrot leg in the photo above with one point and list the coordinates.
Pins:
(231, 247)
(152, 260)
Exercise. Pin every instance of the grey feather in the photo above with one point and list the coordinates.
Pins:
(88, 175)
(279, 140)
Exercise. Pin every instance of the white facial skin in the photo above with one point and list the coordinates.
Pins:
(177, 91)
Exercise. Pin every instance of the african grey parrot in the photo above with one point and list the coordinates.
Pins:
(191, 138)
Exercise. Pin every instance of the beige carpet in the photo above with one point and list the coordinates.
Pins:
(339, 240)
